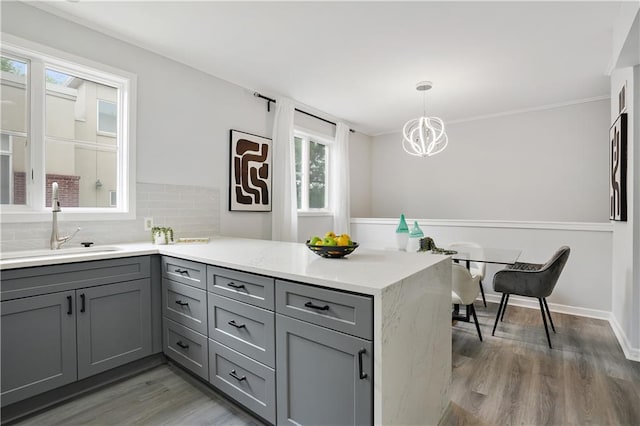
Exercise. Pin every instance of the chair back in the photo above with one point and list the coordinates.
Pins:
(463, 284)
(552, 269)
(480, 266)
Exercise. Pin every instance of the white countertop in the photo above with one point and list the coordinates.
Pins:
(363, 271)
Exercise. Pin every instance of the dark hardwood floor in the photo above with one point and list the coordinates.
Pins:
(510, 379)
(515, 379)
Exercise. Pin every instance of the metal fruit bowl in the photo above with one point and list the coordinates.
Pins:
(332, 252)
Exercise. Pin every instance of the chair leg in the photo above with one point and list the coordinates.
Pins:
(544, 320)
(549, 314)
(498, 314)
(506, 302)
(475, 318)
(482, 292)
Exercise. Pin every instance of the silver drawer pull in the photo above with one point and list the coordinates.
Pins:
(181, 303)
(235, 376)
(182, 271)
(320, 308)
(233, 323)
(182, 345)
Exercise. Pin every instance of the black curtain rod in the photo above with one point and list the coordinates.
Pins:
(269, 100)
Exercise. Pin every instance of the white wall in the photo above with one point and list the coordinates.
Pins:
(360, 149)
(622, 254)
(547, 165)
(183, 117)
(583, 287)
(626, 235)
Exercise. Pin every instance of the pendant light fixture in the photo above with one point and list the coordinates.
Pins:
(424, 136)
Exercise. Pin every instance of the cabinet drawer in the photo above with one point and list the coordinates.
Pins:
(184, 271)
(248, 288)
(185, 305)
(24, 282)
(243, 379)
(346, 312)
(245, 328)
(186, 347)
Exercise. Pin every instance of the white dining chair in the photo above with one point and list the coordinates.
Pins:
(464, 291)
(477, 269)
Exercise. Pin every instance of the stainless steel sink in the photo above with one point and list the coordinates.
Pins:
(27, 254)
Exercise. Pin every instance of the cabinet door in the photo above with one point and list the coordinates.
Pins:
(114, 325)
(323, 376)
(38, 345)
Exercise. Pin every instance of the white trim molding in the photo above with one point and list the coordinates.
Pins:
(630, 353)
(564, 226)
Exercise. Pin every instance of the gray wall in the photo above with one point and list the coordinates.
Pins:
(547, 165)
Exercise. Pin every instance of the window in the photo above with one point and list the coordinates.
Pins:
(107, 117)
(66, 120)
(312, 172)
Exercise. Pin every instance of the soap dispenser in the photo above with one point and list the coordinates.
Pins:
(414, 237)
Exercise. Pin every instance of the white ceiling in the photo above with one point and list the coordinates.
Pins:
(360, 60)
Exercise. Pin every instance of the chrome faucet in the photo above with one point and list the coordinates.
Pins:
(56, 240)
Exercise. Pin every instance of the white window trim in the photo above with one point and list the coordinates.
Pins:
(35, 211)
(307, 134)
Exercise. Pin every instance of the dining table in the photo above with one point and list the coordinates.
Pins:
(498, 256)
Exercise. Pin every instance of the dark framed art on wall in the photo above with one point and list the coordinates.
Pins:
(250, 172)
(618, 169)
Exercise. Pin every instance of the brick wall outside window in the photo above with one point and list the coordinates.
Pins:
(19, 188)
(68, 190)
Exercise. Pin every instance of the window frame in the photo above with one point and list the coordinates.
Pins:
(307, 137)
(40, 57)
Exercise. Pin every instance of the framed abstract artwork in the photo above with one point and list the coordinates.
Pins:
(618, 169)
(250, 172)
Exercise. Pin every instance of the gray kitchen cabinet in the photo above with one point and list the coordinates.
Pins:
(63, 323)
(114, 325)
(38, 345)
(323, 376)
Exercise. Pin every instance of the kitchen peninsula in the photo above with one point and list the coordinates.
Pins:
(401, 308)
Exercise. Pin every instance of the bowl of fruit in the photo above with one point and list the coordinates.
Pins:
(332, 246)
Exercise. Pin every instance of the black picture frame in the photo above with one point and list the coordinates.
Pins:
(249, 172)
(618, 169)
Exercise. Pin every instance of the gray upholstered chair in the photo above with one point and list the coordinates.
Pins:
(531, 280)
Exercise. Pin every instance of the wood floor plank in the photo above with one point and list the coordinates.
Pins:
(165, 395)
(514, 378)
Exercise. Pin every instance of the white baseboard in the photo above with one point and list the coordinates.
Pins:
(530, 302)
(630, 353)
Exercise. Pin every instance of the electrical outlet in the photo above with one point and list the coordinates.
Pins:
(148, 223)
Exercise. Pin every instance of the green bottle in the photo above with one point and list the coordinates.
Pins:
(402, 234)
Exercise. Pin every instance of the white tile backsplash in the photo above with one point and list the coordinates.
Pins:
(192, 211)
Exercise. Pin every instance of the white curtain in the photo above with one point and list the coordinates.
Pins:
(284, 214)
(341, 200)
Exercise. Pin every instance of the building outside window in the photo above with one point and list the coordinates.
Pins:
(312, 172)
